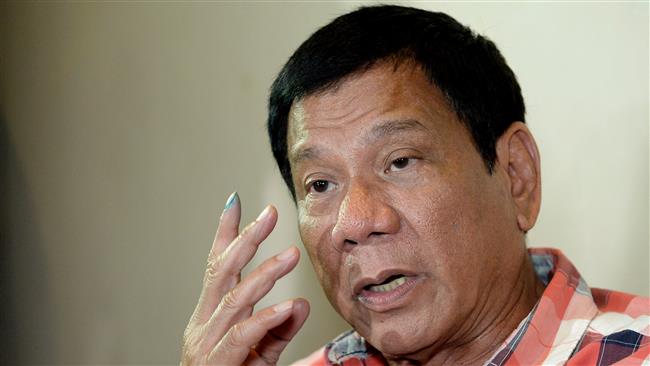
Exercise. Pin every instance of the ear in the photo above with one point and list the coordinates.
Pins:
(518, 160)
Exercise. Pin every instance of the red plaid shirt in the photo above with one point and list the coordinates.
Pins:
(570, 325)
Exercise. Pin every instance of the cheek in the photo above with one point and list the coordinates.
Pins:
(449, 224)
(469, 230)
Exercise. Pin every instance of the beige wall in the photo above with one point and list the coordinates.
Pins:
(123, 127)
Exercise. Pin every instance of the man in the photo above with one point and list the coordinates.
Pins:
(401, 137)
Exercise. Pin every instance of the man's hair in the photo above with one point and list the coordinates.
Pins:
(467, 67)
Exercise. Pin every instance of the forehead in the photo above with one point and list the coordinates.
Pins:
(383, 93)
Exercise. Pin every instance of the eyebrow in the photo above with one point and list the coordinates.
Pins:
(310, 153)
(377, 132)
(394, 126)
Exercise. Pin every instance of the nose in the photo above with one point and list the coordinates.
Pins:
(365, 214)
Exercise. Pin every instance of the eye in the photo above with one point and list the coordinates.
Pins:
(399, 164)
(320, 186)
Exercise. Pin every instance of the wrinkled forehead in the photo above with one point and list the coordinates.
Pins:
(337, 106)
(387, 90)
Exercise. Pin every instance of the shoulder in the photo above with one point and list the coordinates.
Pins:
(619, 333)
(609, 301)
(620, 313)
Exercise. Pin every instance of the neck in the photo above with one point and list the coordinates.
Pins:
(494, 322)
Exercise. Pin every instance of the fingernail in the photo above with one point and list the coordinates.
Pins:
(234, 198)
(286, 255)
(264, 213)
(283, 306)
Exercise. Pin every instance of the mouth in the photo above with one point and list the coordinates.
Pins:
(386, 291)
(388, 285)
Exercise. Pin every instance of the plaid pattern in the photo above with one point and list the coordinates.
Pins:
(570, 325)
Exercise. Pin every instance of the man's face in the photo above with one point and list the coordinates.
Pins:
(408, 233)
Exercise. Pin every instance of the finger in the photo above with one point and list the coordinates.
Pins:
(234, 347)
(276, 340)
(228, 225)
(238, 303)
(240, 252)
(228, 228)
(224, 272)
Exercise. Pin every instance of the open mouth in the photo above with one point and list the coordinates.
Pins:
(387, 291)
(389, 284)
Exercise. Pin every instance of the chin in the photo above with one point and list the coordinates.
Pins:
(400, 336)
(413, 325)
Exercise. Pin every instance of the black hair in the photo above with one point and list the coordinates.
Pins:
(467, 67)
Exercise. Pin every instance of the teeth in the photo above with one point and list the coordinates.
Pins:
(390, 286)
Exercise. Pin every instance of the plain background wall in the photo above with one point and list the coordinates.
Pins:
(124, 126)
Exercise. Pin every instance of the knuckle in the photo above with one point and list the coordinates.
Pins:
(196, 346)
(190, 348)
(191, 340)
(214, 261)
(230, 301)
(213, 268)
(247, 230)
(236, 336)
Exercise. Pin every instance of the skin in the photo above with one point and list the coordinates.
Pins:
(400, 186)
(223, 329)
(416, 196)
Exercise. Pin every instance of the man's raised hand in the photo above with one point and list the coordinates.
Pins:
(223, 329)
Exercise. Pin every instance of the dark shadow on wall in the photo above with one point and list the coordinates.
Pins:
(25, 324)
